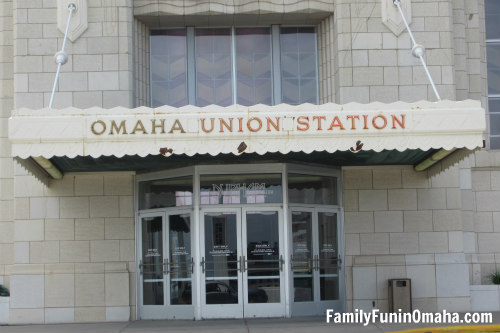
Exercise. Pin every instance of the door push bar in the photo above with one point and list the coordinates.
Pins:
(300, 265)
(242, 264)
(317, 263)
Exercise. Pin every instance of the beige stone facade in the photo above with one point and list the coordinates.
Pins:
(67, 247)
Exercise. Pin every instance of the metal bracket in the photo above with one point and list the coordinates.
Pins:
(79, 22)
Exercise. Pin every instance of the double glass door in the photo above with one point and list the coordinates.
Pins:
(315, 261)
(242, 263)
(166, 265)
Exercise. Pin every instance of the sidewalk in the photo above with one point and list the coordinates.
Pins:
(294, 325)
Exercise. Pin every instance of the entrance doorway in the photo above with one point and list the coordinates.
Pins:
(242, 263)
(239, 241)
(316, 263)
(166, 265)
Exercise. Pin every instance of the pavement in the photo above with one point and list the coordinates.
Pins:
(275, 325)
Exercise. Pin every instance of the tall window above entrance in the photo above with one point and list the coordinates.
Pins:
(224, 66)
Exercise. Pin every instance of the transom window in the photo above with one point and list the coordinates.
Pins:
(224, 66)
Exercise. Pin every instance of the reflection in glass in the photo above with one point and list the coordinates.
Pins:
(213, 67)
(298, 65)
(221, 258)
(494, 111)
(493, 57)
(180, 259)
(169, 192)
(240, 189)
(263, 257)
(302, 256)
(492, 12)
(152, 260)
(168, 67)
(253, 62)
(311, 189)
(328, 256)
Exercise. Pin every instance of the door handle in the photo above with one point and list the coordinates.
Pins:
(242, 264)
(192, 265)
(316, 263)
(282, 262)
(165, 266)
(202, 263)
(141, 267)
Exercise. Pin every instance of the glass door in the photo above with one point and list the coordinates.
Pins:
(151, 266)
(221, 263)
(166, 265)
(242, 263)
(263, 271)
(315, 261)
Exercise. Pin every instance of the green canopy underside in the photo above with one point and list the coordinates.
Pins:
(159, 162)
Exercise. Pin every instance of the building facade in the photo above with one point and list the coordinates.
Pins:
(203, 208)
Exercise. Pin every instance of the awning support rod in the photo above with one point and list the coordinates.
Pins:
(62, 56)
(417, 49)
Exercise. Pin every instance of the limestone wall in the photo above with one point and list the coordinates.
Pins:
(74, 250)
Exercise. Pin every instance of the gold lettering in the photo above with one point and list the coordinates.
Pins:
(365, 119)
(177, 126)
(400, 122)
(249, 122)
(270, 123)
(103, 127)
(319, 119)
(336, 123)
(155, 126)
(304, 121)
(240, 124)
(203, 125)
(375, 123)
(118, 128)
(222, 124)
(353, 123)
(139, 127)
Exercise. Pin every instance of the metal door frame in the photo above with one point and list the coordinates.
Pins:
(317, 307)
(165, 311)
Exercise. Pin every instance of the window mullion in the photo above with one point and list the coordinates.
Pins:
(233, 65)
(191, 66)
(276, 64)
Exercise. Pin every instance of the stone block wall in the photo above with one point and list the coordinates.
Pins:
(402, 224)
(376, 65)
(99, 71)
(485, 188)
(6, 164)
(74, 249)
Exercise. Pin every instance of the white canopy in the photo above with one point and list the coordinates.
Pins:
(213, 129)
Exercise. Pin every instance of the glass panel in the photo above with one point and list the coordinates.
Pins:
(298, 65)
(253, 61)
(493, 57)
(492, 11)
(302, 256)
(310, 189)
(168, 67)
(152, 260)
(221, 258)
(240, 189)
(213, 67)
(328, 256)
(494, 111)
(180, 259)
(169, 192)
(263, 257)
(495, 142)
(329, 288)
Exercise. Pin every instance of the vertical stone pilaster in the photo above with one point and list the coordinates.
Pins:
(6, 163)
